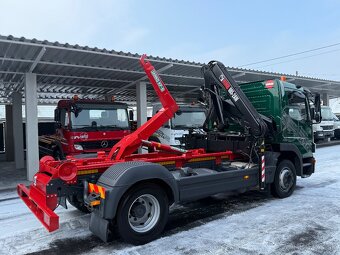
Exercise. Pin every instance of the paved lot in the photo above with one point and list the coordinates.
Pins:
(252, 223)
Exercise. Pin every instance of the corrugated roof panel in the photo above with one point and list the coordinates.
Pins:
(63, 67)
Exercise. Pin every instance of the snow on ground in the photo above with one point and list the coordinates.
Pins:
(308, 222)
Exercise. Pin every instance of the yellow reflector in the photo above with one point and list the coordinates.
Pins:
(246, 177)
(94, 203)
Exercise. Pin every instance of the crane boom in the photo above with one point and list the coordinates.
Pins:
(216, 78)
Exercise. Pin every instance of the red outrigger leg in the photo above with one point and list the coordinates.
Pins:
(34, 198)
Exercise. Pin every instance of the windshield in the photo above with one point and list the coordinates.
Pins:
(191, 119)
(99, 119)
(335, 118)
(326, 113)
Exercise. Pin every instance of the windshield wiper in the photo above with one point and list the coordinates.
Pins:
(112, 126)
(85, 127)
(181, 126)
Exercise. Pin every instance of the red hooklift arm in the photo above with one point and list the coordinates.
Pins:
(42, 199)
(130, 143)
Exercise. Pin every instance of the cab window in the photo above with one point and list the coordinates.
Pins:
(298, 107)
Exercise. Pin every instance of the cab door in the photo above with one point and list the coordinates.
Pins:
(297, 127)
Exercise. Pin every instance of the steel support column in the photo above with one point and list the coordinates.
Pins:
(18, 131)
(141, 104)
(325, 98)
(31, 103)
(9, 136)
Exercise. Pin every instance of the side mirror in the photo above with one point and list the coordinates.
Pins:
(131, 115)
(312, 113)
(317, 104)
(57, 115)
(317, 117)
(179, 112)
(57, 125)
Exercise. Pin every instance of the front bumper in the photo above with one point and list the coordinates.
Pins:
(328, 133)
(319, 135)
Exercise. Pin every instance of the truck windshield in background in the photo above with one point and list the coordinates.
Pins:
(326, 114)
(87, 118)
(189, 119)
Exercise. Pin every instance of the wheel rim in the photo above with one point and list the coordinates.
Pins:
(286, 179)
(144, 213)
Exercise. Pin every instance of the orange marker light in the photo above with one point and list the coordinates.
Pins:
(283, 78)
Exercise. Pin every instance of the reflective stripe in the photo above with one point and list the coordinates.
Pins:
(96, 202)
(91, 171)
(263, 172)
(97, 189)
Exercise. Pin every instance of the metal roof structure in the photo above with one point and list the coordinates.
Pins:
(64, 70)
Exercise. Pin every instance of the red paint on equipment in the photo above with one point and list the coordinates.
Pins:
(226, 84)
(269, 84)
(38, 196)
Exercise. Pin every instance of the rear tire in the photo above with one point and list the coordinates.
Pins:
(142, 213)
(285, 179)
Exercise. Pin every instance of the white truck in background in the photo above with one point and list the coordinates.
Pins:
(336, 127)
(189, 118)
(325, 129)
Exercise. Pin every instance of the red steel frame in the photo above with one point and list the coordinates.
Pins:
(42, 204)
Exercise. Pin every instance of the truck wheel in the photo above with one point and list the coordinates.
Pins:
(142, 213)
(77, 203)
(285, 179)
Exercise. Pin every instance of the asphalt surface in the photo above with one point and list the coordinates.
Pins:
(308, 222)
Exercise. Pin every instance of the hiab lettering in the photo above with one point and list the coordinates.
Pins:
(228, 87)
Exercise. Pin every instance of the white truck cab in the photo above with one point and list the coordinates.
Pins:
(336, 127)
(187, 118)
(325, 129)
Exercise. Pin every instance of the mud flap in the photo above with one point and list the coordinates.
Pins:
(100, 227)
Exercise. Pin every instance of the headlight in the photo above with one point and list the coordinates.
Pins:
(317, 128)
(78, 147)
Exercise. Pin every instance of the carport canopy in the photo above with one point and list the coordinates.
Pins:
(43, 72)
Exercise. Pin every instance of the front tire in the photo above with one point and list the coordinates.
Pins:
(142, 213)
(285, 179)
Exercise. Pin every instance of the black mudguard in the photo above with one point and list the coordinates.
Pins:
(120, 177)
(271, 159)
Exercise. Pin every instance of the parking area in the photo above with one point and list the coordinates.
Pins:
(308, 222)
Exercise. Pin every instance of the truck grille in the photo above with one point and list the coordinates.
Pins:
(91, 145)
(328, 127)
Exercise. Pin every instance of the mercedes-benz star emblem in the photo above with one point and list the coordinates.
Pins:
(104, 144)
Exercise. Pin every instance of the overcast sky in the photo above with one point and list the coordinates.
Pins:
(234, 32)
